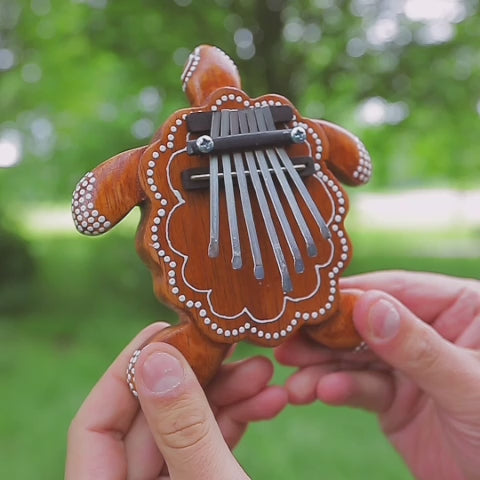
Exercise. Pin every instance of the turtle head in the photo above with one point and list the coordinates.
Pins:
(208, 69)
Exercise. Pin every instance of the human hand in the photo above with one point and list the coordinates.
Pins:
(421, 374)
(111, 437)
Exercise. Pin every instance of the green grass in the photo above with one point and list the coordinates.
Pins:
(92, 296)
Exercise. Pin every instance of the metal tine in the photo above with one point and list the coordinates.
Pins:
(230, 194)
(264, 209)
(259, 270)
(297, 213)
(305, 194)
(252, 117)
(213, 246)
(297, 180)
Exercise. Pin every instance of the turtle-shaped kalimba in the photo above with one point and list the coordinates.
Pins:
(242, 216)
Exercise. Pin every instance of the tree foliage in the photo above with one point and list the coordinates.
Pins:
(81, 80)
(17, 272)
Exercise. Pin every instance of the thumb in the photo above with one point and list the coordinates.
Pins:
(440, 368)
(180, 418)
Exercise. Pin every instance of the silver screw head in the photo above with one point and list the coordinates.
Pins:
(205, 144)
(298, 135)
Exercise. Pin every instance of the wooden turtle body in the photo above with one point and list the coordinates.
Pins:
(242, 216)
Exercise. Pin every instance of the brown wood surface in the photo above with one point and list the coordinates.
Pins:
(219, 305)
(204, 356)
(347, 157)
(338, 332)
(215, 69)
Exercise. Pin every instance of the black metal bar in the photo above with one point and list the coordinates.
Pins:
(198, 178)
(244, 141)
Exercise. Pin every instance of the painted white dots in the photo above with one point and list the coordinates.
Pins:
(86, 217)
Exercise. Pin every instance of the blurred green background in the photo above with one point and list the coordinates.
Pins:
(81, 80)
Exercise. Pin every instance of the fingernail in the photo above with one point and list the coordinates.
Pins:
(162, 373)
(384, 320)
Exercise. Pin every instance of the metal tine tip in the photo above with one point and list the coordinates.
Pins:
(259, 120)
(287, 163)
(264, 208)
(312, 250)
(304, 192)
(230, 195)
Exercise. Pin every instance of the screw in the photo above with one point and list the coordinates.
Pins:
(298, 135)
(205, 144)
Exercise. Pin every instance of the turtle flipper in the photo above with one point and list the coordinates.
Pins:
(105, 195)
(347, 157)
(202, 354)
(338, 332)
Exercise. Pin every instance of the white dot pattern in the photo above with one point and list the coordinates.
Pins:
(363, 172)
(131, 372)
(193, 62)
(86, 217)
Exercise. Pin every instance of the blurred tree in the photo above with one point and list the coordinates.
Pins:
(17, 271)
(84, 79)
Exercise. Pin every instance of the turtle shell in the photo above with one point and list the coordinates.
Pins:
(231, 304)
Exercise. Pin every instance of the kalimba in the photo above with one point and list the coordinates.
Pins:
(242, 217)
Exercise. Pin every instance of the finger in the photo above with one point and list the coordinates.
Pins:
(180, 417)
(266, 405)
(302, 385)
(453, 303)
(461, 317)
(95, 438)
(334, 384)
(470, 337)
(402, 340)
(144, 460)
(372, 391)
(230, 351)
(412, 288)
(232, 430)
(240, 380)
(300, 351)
